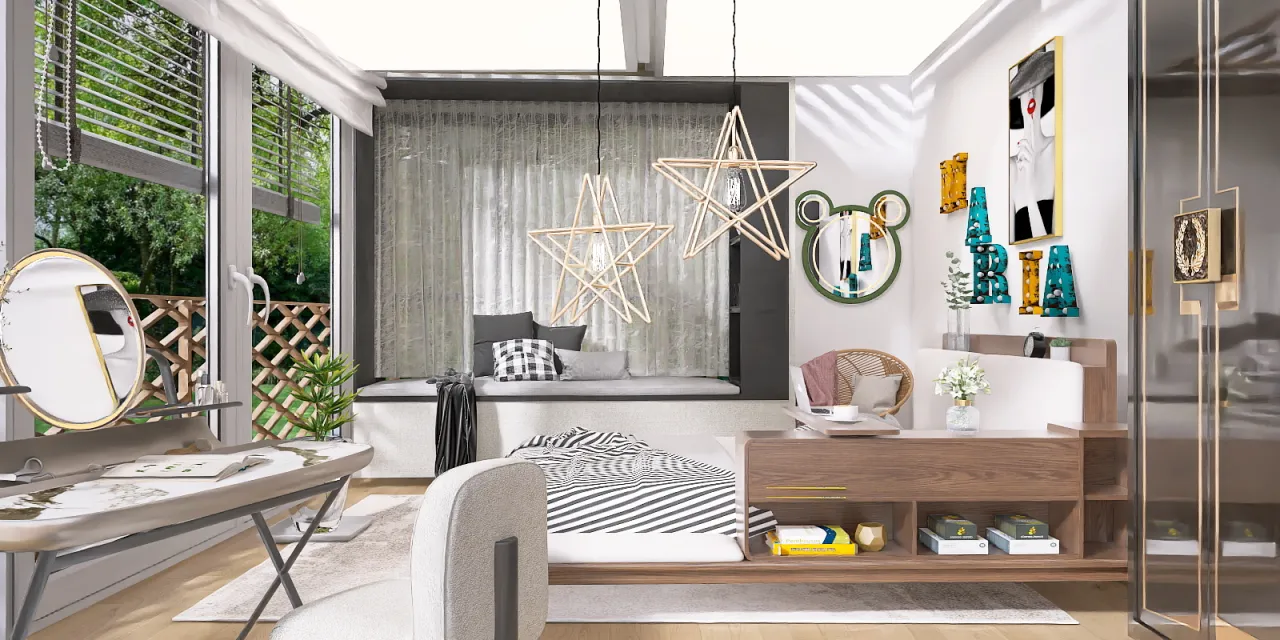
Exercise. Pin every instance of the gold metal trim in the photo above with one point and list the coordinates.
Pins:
(1059, 106)
(808, 488)
(93, 336)
(804, 497)
(7, 374)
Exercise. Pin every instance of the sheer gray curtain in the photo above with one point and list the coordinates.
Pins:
(459, 185)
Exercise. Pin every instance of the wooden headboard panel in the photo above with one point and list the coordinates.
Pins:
(1096, 355)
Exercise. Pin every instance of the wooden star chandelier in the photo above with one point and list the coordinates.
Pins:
(598, 258)
(734, 152)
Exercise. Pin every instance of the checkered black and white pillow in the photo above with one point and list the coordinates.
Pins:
(524, 359)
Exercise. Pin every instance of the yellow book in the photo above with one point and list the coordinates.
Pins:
(778, 549)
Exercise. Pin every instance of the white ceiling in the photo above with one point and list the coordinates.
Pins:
(466, 35)
(776, 38)
(809, 37)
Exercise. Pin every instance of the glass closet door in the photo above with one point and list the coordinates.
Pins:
(1209, 325)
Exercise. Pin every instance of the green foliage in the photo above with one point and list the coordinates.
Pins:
(1060, 342)
(322, 377)
(956, 287)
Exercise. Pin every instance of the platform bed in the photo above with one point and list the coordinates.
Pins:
(398, 418)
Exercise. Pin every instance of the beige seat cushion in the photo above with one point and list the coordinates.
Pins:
(378, 611)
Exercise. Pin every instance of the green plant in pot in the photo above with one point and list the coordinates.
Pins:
(957, 290)
(1060, 349)
(322, 378)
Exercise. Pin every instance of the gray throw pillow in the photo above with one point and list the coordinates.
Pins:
(874, 394)
(593, 365)
(487, 330)
(567, 338)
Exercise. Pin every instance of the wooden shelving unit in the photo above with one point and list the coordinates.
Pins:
(1070, 476)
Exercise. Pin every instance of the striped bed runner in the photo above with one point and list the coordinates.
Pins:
(606, 482)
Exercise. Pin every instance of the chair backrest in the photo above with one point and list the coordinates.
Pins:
(1026, 393)
(465, 513)
(869, 362)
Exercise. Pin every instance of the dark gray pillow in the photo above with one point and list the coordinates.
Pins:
(567, 338)
(487, 330)
(594, 365)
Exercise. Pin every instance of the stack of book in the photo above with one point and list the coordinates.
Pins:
(952, 535)
(808, 540)
(1016, 534)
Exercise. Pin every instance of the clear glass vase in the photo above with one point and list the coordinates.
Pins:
(306, 512)
(963, 417)
(957, 338)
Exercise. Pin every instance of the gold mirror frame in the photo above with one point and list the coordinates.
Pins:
(109, 279)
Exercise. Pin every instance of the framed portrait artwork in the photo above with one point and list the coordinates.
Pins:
(1035, 145)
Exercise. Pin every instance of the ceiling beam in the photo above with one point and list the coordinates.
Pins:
(644, 27)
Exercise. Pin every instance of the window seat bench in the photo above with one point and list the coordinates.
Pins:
(397, 417)
(490, 390)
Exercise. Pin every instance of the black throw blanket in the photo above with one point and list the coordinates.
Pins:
(455, 424)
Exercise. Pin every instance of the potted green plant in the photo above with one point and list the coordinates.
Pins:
(1060, 349)
(958, 291)
(322, 378)
(962, 381)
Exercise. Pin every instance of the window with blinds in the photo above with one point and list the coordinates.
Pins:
(137, 83)
(290, 151)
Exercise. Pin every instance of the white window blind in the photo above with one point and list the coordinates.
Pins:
(290, 150)
(138, 87)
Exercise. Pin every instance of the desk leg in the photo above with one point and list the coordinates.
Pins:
(269, 542)
(40, 579)
(284, 570)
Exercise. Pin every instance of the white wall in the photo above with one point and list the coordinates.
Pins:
(871, 134)
(960, 106)
(858, 130)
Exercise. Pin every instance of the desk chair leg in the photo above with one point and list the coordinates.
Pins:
(284, 571)
(506, 589)
(40, 579)
(269, 542)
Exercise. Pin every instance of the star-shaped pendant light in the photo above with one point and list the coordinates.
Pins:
(607, 269)
(736, 157)
(734, 152)
(603, 266)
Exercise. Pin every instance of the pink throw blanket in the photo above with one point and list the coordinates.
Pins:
(820, 379)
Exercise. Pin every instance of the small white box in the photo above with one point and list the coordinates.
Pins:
(1173, 547)
(1002, 541)
(1235, 549)
(975, 547)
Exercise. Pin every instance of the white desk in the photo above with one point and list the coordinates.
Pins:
(77, 518)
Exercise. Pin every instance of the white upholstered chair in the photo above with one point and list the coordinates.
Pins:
(478, 569)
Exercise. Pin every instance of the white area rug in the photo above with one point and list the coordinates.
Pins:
(382, 552)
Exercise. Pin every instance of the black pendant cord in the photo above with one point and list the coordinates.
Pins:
(599, 86)
(735, 53)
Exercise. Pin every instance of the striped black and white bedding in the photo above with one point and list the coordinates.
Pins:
(605, 482)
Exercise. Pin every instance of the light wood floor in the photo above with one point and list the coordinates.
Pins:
(144, 611)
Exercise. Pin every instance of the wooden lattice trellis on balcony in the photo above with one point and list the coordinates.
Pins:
(292, 330)
(177, 326)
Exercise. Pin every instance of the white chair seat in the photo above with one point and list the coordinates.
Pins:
(378, 611)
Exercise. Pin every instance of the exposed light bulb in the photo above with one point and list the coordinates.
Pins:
(733, 182)
(598, 255)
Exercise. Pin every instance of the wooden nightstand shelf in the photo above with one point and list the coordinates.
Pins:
(1070, 476)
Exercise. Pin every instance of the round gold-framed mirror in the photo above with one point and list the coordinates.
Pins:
(70, 332)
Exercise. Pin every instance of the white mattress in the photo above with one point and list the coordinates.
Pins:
(487, 387)
(582, 548)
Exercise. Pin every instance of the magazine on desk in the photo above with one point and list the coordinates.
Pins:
(211, 466)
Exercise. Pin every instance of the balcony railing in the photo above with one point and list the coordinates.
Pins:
(177, 326)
